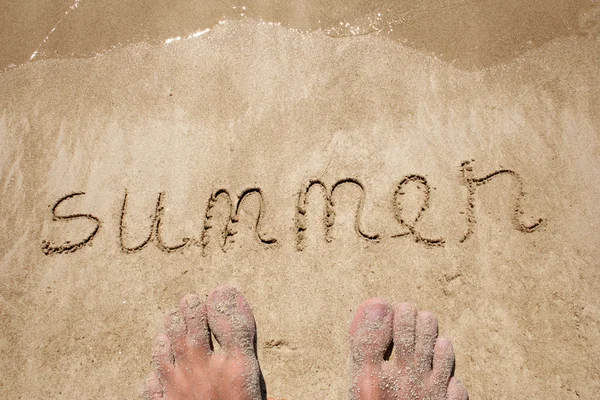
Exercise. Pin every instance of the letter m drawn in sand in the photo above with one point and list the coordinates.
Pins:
(229, 231)
(329, 213)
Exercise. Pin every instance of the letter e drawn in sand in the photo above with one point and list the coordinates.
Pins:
(410, 223)
(472, 183)
(329, 213)
(68, 247)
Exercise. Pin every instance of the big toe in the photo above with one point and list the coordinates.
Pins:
(371, 331)
(231, 320)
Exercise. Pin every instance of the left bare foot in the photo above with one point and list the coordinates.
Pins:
(186, 365)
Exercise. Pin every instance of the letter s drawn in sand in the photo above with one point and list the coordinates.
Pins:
(68, 247)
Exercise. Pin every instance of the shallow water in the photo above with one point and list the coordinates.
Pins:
(470, 34)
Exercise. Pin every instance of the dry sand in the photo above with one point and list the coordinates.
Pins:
(504, 170)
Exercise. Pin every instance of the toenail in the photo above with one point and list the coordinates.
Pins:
(375, 313)
(226, 304)
(193, 302)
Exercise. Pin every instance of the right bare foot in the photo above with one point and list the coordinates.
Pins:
(422, 366)
(186, 365)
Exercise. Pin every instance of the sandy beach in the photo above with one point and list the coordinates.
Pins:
(442, 155)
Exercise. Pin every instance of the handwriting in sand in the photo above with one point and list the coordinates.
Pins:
(234, 203)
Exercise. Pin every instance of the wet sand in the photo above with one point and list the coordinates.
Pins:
(468, 187)
(470, 34)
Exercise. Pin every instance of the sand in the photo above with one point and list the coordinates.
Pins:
(470, 191)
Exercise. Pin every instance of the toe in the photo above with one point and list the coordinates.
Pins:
(193, 311)
(176, 332)
(371, 331)
(230, 320)
(163, 357)
(154, 389)
(426, 331)
(456, 391)
(443, 361)
(404, 333)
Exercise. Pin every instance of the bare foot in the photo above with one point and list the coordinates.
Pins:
(422, 365)
(186, 365)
